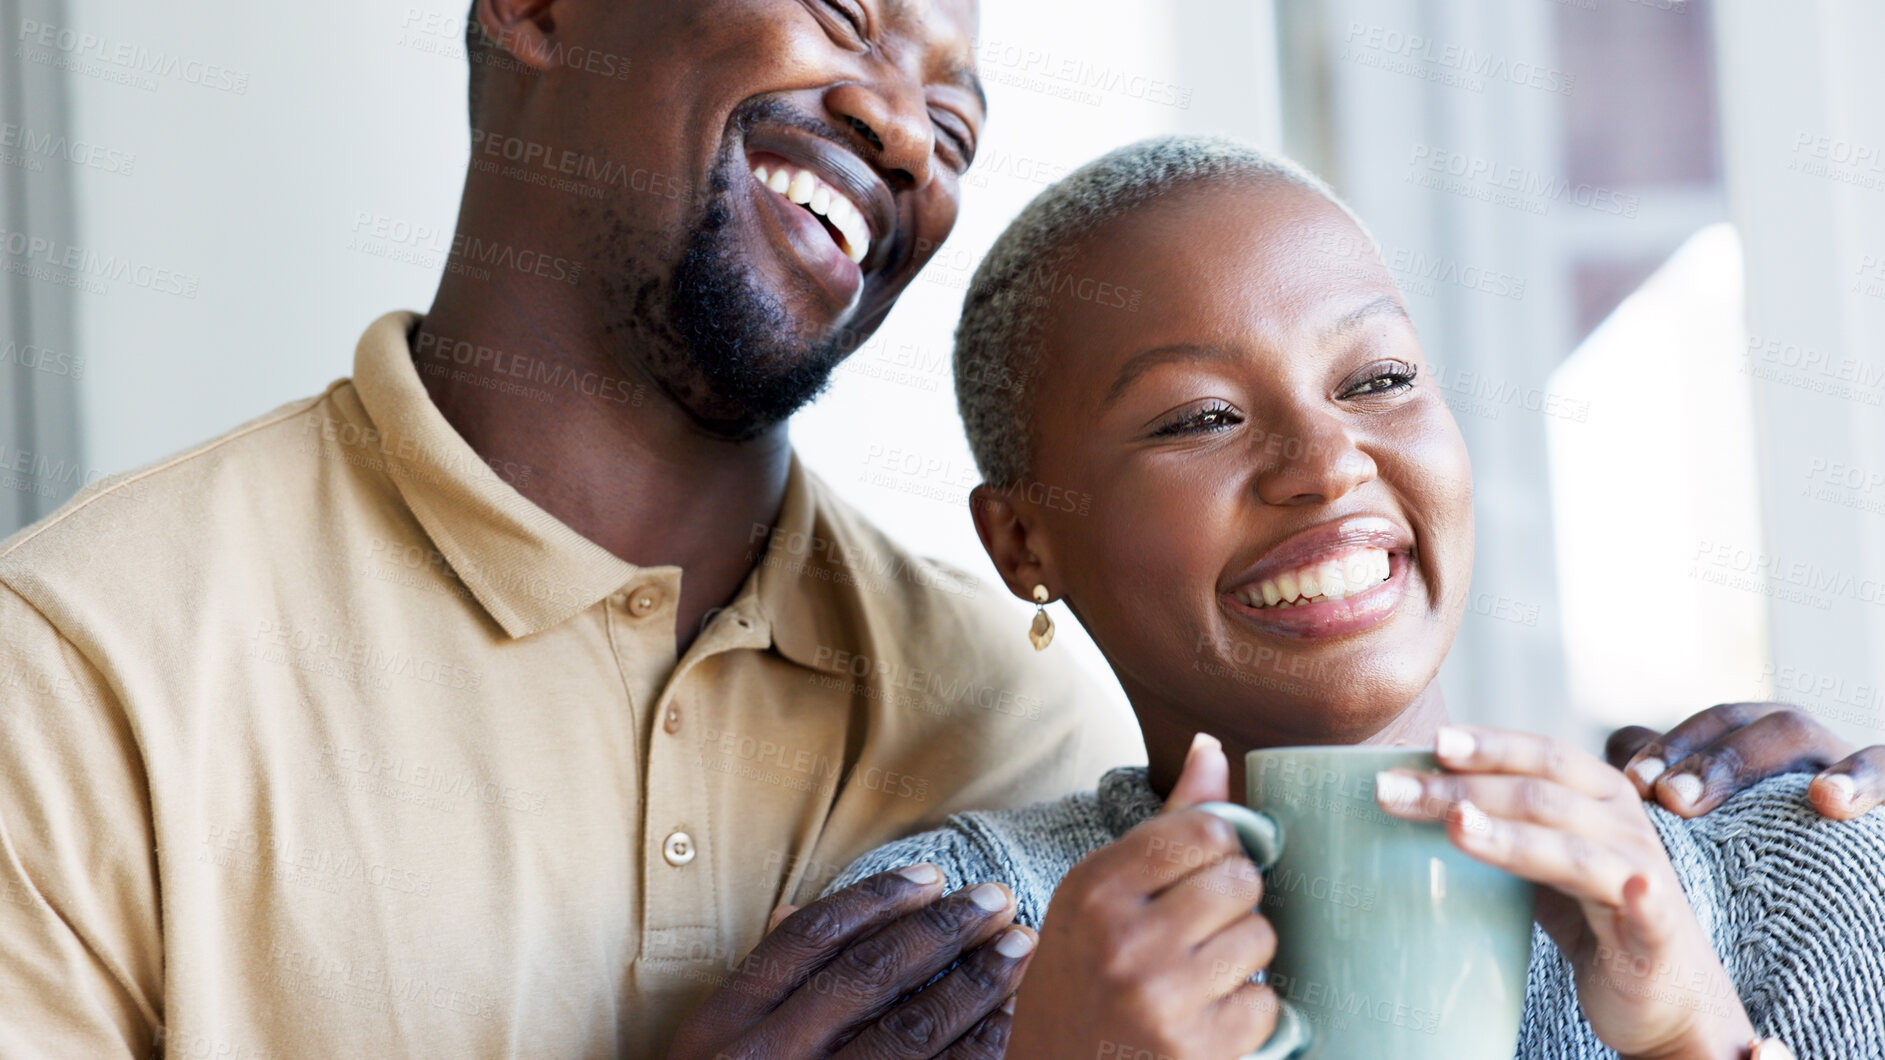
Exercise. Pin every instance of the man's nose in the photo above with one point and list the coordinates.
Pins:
(893, 117)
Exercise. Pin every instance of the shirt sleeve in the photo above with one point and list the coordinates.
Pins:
(81, 967)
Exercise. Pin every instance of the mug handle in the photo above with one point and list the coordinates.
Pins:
(1262, 838)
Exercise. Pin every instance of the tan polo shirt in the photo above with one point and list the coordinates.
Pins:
(321, 740)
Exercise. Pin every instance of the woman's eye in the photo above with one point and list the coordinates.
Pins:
(1203, 421)
(1384, 380)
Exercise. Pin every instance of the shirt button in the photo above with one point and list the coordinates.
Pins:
(673, 722)
(679, 849)
(644, 600)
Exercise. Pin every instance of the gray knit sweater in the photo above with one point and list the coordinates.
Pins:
(1794, 904)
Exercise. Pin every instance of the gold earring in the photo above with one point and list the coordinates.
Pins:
(1041, 633)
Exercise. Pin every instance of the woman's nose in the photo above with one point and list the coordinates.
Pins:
(1316, 460)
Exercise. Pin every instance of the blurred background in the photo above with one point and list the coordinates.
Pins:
(1643, 240)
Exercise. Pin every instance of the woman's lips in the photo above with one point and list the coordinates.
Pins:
(1322, 616)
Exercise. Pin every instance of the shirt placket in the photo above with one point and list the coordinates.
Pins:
(682, 892)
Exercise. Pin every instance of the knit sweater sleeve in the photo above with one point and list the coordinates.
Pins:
(950, 848)
(1028, 849)
(1794, 905)
(1802, 917)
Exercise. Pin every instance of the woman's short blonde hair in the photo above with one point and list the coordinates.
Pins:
(997, 339)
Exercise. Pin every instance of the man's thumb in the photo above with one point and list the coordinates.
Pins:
(1205, 778)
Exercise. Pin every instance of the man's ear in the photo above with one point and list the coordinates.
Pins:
(1014, 540)
(523, 28)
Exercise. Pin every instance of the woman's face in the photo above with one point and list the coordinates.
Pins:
(1276, 533)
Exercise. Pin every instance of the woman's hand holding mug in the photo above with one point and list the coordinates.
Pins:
(1149, 943)
(1647, 978)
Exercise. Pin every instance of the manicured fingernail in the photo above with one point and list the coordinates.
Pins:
(1769, 1049)
(1396, 789)
(1014, 944)
(1008, 1006)
(989, 897)
(1648, 770)
(922, 875)
(1474, 819)
(1453, 743)
(1687, 788)
(1844, 790)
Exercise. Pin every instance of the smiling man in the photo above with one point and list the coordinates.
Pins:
(487, 703)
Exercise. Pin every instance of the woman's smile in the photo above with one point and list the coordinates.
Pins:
(1330, 580)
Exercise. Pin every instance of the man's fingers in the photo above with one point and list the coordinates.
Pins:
(801, 942)
(1471, 749)
(863, 981)
(987, 1040)
(1647, 763)
(1777, 742)
(1852, 786)
(780, 912)
(953, 1007)
(1623, 744)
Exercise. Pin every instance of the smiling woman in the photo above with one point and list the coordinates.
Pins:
(1277, 556)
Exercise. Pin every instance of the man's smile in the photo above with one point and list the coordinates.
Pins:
(833, 216)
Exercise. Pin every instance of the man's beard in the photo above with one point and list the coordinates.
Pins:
(736, 336)
(713, 337)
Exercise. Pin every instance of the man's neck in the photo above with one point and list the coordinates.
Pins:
(596, 443)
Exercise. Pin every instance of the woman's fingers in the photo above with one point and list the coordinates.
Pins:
(1236, 953)
(1202, 904)
(1574, 865)
(1471, 749)
(1851, 786)
(1417, 796)
(1245, 1019)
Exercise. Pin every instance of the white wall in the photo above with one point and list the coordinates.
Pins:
(1804, 144)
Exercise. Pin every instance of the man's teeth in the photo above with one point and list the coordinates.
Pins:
(803, 187)
(1328, 580)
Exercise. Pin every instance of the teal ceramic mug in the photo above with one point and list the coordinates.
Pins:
(1390, 941)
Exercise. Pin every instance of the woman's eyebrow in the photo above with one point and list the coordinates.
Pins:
(1141, 363)
(1386, 303)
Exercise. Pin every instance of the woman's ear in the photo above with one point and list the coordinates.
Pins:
(522, 28)
(1014, 540)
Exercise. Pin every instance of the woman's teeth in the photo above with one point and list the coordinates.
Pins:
(1329, 580)
(802, 186)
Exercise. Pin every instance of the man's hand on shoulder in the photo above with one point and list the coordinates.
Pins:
(837, 978)
(1730, 747)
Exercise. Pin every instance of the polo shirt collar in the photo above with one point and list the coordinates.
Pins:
(804, 592)
(528, 569)
(531, 571)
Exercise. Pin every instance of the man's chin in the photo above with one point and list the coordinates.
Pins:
(739, 408)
